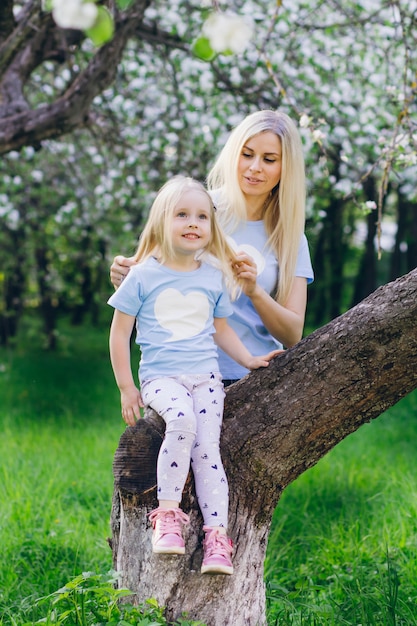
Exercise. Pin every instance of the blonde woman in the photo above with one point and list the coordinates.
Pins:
(176, 295)
(258, 186)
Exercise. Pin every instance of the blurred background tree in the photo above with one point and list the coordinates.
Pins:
(89, 133)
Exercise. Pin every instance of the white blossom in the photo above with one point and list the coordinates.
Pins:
(37, 175)
(13, 219)
(227, 31)
(74, 14)
(318, 135)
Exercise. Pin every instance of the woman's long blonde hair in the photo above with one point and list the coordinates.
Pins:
(156, 236)
(284, 213)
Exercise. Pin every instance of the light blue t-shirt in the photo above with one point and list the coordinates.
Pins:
(174, 317)
(252, 238)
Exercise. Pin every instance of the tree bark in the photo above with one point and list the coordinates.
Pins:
(278, 422)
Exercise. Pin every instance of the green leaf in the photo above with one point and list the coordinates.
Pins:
(103, 29)
(202, 49)
(123, 4)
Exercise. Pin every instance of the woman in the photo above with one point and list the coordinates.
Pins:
(258, 186)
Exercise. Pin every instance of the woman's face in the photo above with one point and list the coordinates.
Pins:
(259, 166)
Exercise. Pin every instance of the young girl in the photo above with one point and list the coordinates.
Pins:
(176, 293)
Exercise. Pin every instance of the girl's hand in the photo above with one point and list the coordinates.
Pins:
(246, 273)
(262, 361)
(132, 403)
(119, 269)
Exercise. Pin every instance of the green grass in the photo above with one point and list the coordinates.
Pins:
(60, 424)
(343, 544)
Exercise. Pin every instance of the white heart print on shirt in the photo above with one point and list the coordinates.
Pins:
(184, 315)
(251, 251)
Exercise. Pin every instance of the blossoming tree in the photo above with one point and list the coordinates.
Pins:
(125, 72)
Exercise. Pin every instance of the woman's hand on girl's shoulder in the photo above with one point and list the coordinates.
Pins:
(119, 269)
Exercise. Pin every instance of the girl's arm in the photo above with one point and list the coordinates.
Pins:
(120, 333)
(226, 338)
(284, 322)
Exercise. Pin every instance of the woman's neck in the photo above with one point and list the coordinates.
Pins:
(255, 208)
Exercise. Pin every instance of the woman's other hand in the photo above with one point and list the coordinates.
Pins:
(246, 273)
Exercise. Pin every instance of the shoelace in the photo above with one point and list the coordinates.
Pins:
(217, 543)
(170, 519)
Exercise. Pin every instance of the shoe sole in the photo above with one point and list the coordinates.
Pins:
(216, 569)
(161, 550)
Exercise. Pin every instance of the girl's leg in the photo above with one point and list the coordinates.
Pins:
(174, 403)
(209, 475)
(210, 478)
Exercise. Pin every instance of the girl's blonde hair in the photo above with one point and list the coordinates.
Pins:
(156, 236)
(284, 212)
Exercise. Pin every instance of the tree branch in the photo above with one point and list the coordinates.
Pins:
(151, 33)
(71, 110)
(315, 394)
(31, 21)
(7, 21)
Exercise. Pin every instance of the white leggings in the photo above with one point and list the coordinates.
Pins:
(192, 407)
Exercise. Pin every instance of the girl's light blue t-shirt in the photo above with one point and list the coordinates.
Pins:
(174, 317)
(252, 238)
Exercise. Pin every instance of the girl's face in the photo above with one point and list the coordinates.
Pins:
(191, 223)
(259, 166)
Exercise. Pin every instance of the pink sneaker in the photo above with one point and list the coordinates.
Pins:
(167, 532)
(218, 550)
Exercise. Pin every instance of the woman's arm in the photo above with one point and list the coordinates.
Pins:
(284, 322)
(131, 399)
(226, 338)
(119, 269)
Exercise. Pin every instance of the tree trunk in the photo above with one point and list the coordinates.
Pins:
(366, 278)
(12, 289)
(278, 422)
(404, 255)
(46, 306)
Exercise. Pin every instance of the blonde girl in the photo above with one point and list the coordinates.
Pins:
(176, 294)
